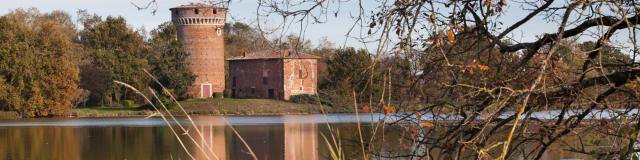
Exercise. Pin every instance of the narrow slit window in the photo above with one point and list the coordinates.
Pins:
(300, 74)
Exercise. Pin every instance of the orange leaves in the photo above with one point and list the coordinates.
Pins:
(445, 36)
(503, 2)
(388, 109)
(405, 146)
(414, 132)
(426, 124)
(451, 36)
(483, 67)
(418, 115)
(488, 2)
(500, 5)
(366, 108)
(473, 66)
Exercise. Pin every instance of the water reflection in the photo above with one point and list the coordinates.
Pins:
(277, 137)
(301, 140)
(290, 141)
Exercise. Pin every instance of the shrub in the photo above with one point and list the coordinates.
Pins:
(304, 99)
(129, 103)
(218, 95)
(310, 99)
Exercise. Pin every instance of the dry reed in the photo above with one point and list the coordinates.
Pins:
(203, 147)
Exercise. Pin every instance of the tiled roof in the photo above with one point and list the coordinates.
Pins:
(274, 54)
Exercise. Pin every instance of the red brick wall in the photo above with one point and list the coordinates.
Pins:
(249, 74)
(204, 41)
(286, 76)
(300, 77)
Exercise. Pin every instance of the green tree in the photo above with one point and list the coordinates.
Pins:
(37, 76)
(168, 60)
(325, 50)
(117, 52)
(351, 70)
(609, 58)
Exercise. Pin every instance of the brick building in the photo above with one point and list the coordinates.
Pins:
(276, 74)
(200, 30)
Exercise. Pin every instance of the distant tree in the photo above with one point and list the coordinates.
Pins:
(168, 60)
(242, 38)
(94, 79)
(350, 70)
(402, 72)
(609, 58)
(325, 50)
(295, 43)
(37, 75)
(117, 52)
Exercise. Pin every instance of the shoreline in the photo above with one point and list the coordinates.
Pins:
(204, 107)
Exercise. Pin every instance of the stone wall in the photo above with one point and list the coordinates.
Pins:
(300, 77)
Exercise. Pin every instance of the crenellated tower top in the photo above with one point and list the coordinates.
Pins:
(199, 14)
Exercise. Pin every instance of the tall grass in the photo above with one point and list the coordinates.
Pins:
(162, 110)
(332, 139)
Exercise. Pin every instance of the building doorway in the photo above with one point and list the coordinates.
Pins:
(272, 94)
(205, 90)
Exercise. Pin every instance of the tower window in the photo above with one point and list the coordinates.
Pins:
(264, 80)
(215, 11)
(197, 11)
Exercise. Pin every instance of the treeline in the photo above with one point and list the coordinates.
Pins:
(412, 79)
(49, 63)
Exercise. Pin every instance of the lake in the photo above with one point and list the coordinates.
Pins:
(138, 138)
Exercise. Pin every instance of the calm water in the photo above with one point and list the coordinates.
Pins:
(270, 137)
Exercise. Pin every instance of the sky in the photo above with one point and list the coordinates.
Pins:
(239, 10)
(245, 11)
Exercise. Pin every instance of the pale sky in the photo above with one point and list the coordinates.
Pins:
(245, 11)
(239, 10)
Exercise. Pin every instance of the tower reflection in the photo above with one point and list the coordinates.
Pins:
(290, 141)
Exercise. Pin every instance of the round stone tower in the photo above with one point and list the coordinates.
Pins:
(200, 30)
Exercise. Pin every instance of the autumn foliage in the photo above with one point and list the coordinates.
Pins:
(37, 74)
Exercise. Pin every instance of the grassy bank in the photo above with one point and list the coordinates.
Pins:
(108, 112)
(9, 115)
(212, 106)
